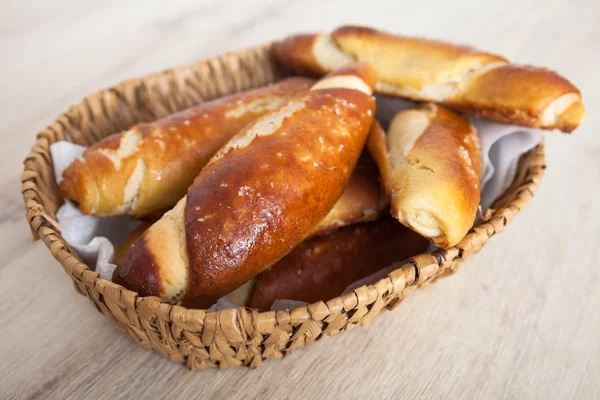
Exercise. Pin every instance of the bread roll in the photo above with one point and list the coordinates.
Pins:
(361, 201)
(258, 197)
(461, 77)
(148, 168)
(321, 268)
(430, 166)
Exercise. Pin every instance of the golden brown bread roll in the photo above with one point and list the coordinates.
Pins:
(258, 197)
(149, 167)
(361, 201)
(321, 268)
(430, 166)
(461, 77)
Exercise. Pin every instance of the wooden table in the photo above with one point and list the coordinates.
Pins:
(520, 320)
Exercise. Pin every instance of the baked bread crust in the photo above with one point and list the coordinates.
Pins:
(148, 168)
(461, 77)
(321, 268)
(430, 166)
(259, 196)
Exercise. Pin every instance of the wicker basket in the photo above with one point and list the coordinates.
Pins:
(236, 336)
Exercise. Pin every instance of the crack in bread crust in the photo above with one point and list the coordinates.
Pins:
(149, 167)
(165, 241)
(264, 126)
(438, 202)
(128, 145)
(260, 197)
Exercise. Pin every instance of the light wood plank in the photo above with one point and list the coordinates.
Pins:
(520, 320)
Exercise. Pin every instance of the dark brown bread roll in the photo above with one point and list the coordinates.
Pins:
(258, 197)
(361, 201)
(321, 268)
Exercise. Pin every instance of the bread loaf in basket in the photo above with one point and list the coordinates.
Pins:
(231, 337)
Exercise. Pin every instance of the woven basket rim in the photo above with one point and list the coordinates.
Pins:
(414, 272)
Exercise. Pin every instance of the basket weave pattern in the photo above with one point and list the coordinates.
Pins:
(232, 337)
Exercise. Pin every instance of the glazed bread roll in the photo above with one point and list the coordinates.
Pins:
(430, 166)
(361, 201)
(148, 168)
(321, 268)
(461, 77)
(258, 197)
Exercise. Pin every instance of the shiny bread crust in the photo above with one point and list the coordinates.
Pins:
(361, 201)
(461, 77)
(148, 168)
(321, 268)
(430, 165)
(137, 270)
(267, 189)
(278, 189)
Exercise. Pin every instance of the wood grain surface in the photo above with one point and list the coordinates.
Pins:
(520, 320)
